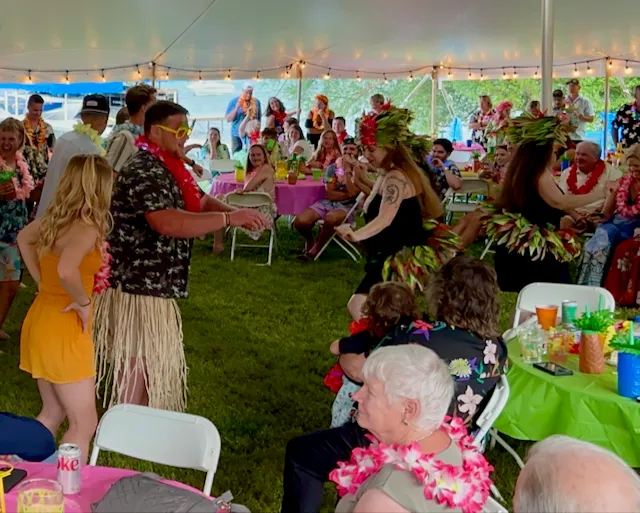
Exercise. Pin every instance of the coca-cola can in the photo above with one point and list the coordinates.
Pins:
(69, 468)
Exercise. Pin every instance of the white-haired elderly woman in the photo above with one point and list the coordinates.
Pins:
(403, 403)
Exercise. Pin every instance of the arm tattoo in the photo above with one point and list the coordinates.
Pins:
(393, 190)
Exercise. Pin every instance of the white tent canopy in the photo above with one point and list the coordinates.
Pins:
(245, 36)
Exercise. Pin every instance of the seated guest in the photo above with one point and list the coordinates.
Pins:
(340, 128)
(214, 148)
(376, 103)
(24, 438)
(283, 138)
(408, 414)
(565, 475)
(327, 153)
(622, 209)
(444, 173)
(276, 115)
(531, 194)
(342, 190)
(260, 177)
(588, 173)
(533, 108)
(122, 116)
(298, 145)
(497, 170)
(320, 118)
(271, 145)
(464, 298)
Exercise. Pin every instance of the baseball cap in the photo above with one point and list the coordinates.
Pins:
(95, 104)
(574, 81)
(558, 93)
(247, 85)
(349, 140)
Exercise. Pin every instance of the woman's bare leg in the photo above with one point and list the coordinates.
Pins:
(52, 413)
(355, 306)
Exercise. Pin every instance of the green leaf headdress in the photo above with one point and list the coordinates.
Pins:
(538, 130)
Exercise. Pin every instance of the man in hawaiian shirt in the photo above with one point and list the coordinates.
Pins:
(38, 145)
(120, 145)
(445, 174)
(579, 109)
(627, 121)
(157, 212)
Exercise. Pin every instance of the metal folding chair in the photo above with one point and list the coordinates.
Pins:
(346, 246)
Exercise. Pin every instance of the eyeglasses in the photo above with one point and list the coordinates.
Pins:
(180, 133)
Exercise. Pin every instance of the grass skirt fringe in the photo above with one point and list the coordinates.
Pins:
(146, 331)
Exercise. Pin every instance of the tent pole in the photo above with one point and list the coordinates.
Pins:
(607, 89)
(547, 54)
(153, 74)
(299, 96)
(415, 89)
(434, 95)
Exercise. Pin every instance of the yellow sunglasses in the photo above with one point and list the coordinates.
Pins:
(180, 133)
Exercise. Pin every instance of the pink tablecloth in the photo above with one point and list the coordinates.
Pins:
(96, 482)
(460, 146)
(290, 199)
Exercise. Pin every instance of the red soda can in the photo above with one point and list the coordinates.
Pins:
(69, 468)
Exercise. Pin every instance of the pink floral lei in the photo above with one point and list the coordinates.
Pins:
(622, 197)
(466, 487)
(22, 191)
(101, 280)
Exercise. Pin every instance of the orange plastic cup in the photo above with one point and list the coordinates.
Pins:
(547, 316)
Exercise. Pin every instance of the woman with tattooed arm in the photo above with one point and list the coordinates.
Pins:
(400, 201)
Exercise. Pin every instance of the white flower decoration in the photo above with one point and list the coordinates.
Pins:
(490, 352)
(470, 401)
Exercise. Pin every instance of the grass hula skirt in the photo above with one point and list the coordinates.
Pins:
(515, 233)
(413, 265)
(147, 330)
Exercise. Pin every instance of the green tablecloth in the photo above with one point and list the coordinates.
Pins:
(584, 406)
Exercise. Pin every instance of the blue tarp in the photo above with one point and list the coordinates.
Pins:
(74, 88)
(455, 133)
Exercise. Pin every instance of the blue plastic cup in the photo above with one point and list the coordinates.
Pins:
(469, 143)
(628, 375)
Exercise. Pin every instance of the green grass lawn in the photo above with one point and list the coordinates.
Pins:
(256, 341)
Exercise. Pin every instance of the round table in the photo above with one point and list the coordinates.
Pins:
(583, 406)
(290, 199)
(96, 482)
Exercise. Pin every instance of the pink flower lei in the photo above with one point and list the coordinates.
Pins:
(466, 487)
(22, 191)
(622, 197)
(101, 280)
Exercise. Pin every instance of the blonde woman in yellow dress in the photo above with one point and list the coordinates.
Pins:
(62, 253)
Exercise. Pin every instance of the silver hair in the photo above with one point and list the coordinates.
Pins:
(595, 148)
(540, 488)
(414, 372)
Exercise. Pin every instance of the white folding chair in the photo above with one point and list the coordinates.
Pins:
(251, 200)
(554, 293)
(159, 436)
(222, 166)
(462, 157)
(469, 186)
(347, 246)
(492, 506)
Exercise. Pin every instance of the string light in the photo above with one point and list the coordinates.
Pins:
(257, 77)
(610, 64)
(199, 75)
(150, 65)
(589, 69)
(410, 77)
(287, 74)
(515, 73)
(166, 75)
(504, 74)
(358, 76)
(302, 64)
(481, 74)
(441, 66)
(470, 75)
(29, 80)
(66, 77)
(138, 71)
(627, 69)
(328, 74)
(536, 74)
(228, 77)
(449, 74)
(385, 78)
(575, 70)
(102, 77)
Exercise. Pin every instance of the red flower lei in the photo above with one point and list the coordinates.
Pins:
(188, 187)
(592, 180)
(622, 196)
(369, 126)
(465, 487)
(42, 133)
(333, 380)
(101, 280)
(279, 117)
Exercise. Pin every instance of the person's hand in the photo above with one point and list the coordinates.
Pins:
(7, 191)
(197, 169)
(437, 163)
(335, 347)
(611, 186)
(345, 231)
(84, 313)
(248, 218)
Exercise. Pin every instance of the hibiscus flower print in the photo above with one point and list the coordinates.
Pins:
(468, 402)
(623, 265)
(422, 328)
(460, 368)
(490, 352)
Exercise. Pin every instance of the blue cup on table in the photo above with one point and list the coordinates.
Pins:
(628, 375)
(564, 164)
(469, 143)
